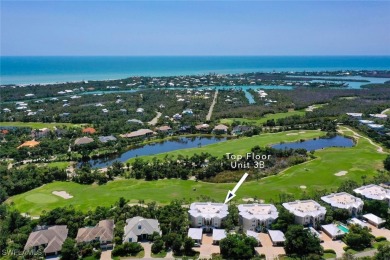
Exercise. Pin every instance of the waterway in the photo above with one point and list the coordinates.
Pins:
(317, 144)
(156, 148)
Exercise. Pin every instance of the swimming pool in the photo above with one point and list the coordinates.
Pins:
(343, 228)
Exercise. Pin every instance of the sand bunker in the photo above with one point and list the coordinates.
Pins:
(341, 173)
(302, 187)
(292, 134)
(252, 200)
(62, 194)
(302, 132)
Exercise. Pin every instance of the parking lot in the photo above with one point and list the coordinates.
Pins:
(267, 249)
(207, 248)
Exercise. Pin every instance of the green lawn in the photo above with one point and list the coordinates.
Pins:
(262, 120)
(241, 145)
(162, 254)
(37, 125)
(362, 159)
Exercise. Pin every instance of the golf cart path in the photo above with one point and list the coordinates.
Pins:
(155, 119)
(379, 148)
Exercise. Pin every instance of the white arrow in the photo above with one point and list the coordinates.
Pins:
(232, 194)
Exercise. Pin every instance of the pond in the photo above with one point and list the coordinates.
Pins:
(320, 143)
(156, 148)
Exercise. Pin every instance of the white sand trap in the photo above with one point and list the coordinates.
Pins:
(341, 173)
(292, 134)
(302, 132)
(252, 200)
(302, 187)
(62, 194)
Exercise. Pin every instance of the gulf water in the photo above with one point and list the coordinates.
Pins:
(26, 70)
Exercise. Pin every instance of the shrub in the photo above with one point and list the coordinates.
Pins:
(329, 251)
(127, 249)
(380, 239)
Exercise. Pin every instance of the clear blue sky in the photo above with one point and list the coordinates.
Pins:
(195, 28)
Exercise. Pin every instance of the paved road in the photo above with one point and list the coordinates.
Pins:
(155, 119)
(208, 117)
(379, 148)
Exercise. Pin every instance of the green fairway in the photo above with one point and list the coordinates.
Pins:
(241, 145)
(37, 125)
(262, 120)
(363, 159)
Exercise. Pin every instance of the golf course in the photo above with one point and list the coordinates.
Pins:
(319, 173)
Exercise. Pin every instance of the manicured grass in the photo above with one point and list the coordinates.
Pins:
(241, 145)
(37, 125)
(262, 120)
(329, 256)
(162, 254)
(362, 159)
(60, 165)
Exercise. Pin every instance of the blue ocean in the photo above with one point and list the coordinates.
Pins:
(26, 70)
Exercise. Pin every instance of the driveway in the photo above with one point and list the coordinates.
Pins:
(106, 255)
(207, 248)
(336, 245)
(147, 249)
(267, 248)
(379, 232)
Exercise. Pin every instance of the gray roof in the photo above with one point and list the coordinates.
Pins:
(276, 236)
(105, 139)
(135, 121)
(140, 226)
(253, 234)
(53, 237)
(219, 234)
(258, 211)
(83, 140)
(195, 233)
(104, 231)
(208, 210)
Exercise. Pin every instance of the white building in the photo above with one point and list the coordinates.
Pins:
(374, 220)
(306, 212)
(374, 192)
(139, 228)
(346, 201)
(207, 215)
(255, 216)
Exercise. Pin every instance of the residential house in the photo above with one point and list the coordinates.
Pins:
(220, 129)
(103, 232)
(29, 144)
(306, 212)
(355, 115)
(50, 238)
(89, 130)
(346, 201)
(83, 140)
(256, 217)
(241, 129)
(139, 228)
(136, 121)
(138, 133)
(207, 215)
(108, 138)
(202, 127)
(374, 192)
(39, 133)
(164, 129)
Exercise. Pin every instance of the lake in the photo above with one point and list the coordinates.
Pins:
(320, 143)
(156, 148)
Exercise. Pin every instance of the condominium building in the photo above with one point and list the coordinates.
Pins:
(255, 217)
(374, 192)
(306, 212)
(346, 201)
(207, 215)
